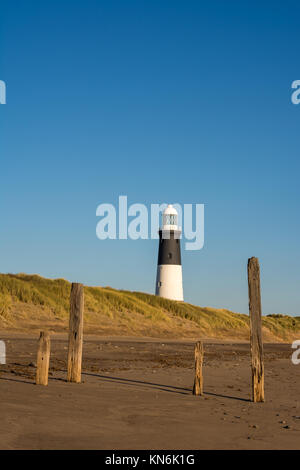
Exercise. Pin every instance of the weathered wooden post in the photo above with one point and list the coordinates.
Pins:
(43, 357)
(258, 394)
(198, 383)
(75, 333)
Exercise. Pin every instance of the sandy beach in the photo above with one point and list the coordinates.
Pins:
(137, 394)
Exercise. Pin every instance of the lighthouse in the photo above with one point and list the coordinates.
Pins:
(169, 269)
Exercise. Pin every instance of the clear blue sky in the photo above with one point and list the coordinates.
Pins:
(163, 101)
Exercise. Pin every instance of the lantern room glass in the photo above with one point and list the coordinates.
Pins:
(170, 219)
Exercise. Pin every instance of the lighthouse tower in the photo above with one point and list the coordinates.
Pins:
(169, 270)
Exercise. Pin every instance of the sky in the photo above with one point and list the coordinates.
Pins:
(165, 102)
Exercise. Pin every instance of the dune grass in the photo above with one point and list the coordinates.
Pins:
(131, 312)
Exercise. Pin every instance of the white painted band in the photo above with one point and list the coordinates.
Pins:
(169, 281)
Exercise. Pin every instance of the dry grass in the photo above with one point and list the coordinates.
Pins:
(31, 300)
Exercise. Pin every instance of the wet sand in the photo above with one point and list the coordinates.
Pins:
(137, 394)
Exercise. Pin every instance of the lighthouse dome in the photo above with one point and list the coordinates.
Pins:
(170, 210)
(170, 218)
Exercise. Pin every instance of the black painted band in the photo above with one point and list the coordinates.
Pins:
(169, 248)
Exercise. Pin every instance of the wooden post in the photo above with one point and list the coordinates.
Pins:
(43, 357)
(258, 394)
(75, 333)
(198, 383)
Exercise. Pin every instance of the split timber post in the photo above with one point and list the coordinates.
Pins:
(198, 383)
(43, 357)
(257, 361)
(75, 333)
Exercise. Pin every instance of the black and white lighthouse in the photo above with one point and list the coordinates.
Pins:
(169, 269)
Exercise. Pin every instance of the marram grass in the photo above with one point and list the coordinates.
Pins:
(33, 301)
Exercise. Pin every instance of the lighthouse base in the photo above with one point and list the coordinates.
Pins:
(169, 281)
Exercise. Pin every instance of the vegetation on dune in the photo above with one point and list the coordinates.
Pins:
(36, 290)
(282, 325)
(134, 311)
